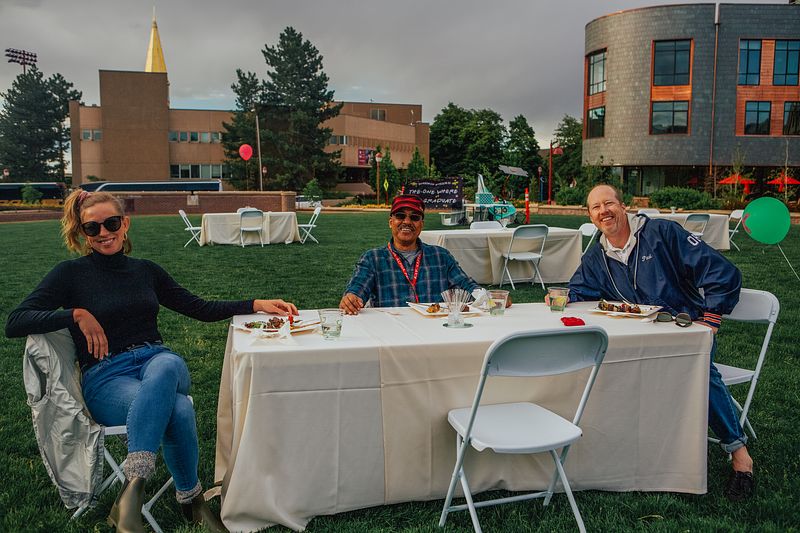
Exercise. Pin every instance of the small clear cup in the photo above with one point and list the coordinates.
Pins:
(559, 296)
(497, 302)
(331, 323)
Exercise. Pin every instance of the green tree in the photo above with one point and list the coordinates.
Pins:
(568, 165)
(31, 195)
(297, 90)
(32, 132)
(447, 142)
(389, 173)
(522, 150)
(417, 169)
(242, 130)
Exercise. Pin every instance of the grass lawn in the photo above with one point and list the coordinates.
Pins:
(314, 276)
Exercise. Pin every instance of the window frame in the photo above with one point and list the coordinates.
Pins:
(674, 52)
(378, 113)
(671, 130)
(787, 114)
(791, 52)
(591, 124)
(749, 70)
(759, 112)
(592, 83)
(172, 136)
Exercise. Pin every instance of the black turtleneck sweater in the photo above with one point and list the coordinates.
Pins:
(123, 294)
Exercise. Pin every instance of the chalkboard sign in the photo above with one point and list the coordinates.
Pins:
(440, 194)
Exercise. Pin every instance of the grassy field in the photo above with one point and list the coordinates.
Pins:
(314, 276)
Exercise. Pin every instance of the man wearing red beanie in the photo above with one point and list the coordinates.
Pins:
(406, 269)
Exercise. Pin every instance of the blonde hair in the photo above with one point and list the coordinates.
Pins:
(71, 231)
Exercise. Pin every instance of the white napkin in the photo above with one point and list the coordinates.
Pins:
(481, 297)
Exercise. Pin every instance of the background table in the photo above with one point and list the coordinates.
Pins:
(480, 253)
(309, 427)
(716, 233)
(223, 228)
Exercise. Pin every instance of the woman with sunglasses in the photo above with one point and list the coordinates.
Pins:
(110, 302)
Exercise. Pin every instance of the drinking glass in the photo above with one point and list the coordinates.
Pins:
(559, 296)
(497, 302)
(331, 323)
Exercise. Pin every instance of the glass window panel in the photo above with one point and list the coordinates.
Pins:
(184, 136)
(597, 72)
(205, 137)
(596, 122)
(756, 118)
(215, 136)
(195, 171)
(216, 171)
(672, 62)
(194, 136)
(86, 135)
(173, 136)
(174, 171)
(749, 62)
(185, 171)
(205, 171)
(791, 118)
(97, 135)
(662, 121)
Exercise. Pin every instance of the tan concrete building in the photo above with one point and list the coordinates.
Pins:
(133, 135)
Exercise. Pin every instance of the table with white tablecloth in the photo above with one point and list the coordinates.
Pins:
(479, 252)
(310, 427)
(716, 233)
(223, 228)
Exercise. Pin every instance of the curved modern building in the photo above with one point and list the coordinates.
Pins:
(673, 94)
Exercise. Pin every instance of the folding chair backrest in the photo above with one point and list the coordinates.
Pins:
(523, 235)
(755, 306)
(588, 230)
(696, 222)
(251, 219)
(648, 211)
(486, 224)
(737, 214)
(317, 211)
(185, 218)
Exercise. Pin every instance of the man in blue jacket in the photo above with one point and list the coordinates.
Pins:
(657, 262)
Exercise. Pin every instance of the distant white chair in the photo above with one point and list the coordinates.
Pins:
(648, 211)
(486, 224)
(524, 427)
(305, 229)
(759, 307)
(737, 215)
(246, 208)
(251, 220)
(696, 224)
(453, 218)
(532, 235)
(194, 230)
(588, 230)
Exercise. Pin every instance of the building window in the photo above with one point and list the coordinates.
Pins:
(669, 117)
(185, 171)
(173, 136)
(216, 137)
(205, 137)
(596, 122)
(787, 63)
(174, 171)
(597, 72)
(86, 135)
(671, 62)
(756, 118)
(749, 62)
(337, 139)
(184, 136)
(377, 114)
(97, 135)
(791, 118)
(91, 135)
(216, 171)
(194, 137)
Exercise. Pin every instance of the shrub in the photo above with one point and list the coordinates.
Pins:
(30, 195)
(312, 190)
(682, 198)
(571, 196)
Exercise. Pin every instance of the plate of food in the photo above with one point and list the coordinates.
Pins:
(440, 309)
(274, 324)
(625, 309)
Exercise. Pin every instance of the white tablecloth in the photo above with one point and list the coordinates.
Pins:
(716, 233)
(223, 228)
(311, 427)
(480, 253)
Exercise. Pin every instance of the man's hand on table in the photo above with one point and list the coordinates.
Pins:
(274, 307)
(351, 304)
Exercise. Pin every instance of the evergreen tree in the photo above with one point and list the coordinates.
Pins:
(569, 136)
(242, 130)
(32, 131)
(447, 141)
(417, 169)
(522, 150)
(389, 173)
(296, 91)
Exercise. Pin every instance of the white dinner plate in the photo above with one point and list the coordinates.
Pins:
(299, 326)
(422, 308)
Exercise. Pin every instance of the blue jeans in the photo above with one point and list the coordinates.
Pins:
(146, 389)
(723, 417)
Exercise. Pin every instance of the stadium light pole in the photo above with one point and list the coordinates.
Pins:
(23, 57)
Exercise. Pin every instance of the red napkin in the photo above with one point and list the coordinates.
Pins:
(572, 321)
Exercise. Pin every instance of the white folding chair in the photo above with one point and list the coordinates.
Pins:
(735, 214)
(525, 428)
(696, 224)
(588, 230)
(759, 307)
(527, 234)
(194, 230)
(648, 211)
(306, 229)
(486, 224)
(251, 220)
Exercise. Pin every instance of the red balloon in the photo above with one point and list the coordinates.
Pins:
(246, 151)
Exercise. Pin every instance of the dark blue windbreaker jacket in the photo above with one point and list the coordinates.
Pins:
(667, 267)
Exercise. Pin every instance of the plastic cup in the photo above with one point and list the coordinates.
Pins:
(497, 302)
(331, 323)
(559, 296)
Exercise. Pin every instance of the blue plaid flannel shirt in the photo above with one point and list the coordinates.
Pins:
(377, 277)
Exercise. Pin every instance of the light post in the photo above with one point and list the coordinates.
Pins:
(23, 57)
(258, 149)
(378, 158)
(557, 150)
(541, 185)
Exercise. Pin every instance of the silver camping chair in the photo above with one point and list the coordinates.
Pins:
(51, 372)
(759, 307)
(648, 211)
(523, 427)
(696, 224)
(588, 230)
(735, 214)
(486, 224)
(305, 229)
(531, 235)
(251, 220)
(194, 230)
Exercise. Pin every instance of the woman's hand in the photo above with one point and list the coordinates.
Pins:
(274, 307)
(96, 341)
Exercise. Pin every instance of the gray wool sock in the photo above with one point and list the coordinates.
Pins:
(186, 496)
(139, 464)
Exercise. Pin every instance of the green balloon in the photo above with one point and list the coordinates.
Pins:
(766, 220)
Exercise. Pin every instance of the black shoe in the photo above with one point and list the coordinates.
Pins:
(740, 486)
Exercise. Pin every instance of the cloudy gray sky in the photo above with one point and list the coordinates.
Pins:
(513, 56)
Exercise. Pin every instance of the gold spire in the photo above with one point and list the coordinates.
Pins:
(155, 55)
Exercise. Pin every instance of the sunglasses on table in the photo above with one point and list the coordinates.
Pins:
(681, 319)
(400, 217)
(92, 229)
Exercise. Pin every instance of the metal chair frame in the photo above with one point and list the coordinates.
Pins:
(195, 230)
(588, 230)
(305, 229)
(248, 216)
(695, 220)
(531, 232)
(738, 214)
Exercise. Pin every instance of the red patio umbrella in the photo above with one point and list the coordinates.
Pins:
(783, 180)
(734, 179)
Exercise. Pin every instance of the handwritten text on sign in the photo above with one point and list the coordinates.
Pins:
(442, 194)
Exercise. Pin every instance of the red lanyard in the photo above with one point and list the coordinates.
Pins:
(412, 282)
